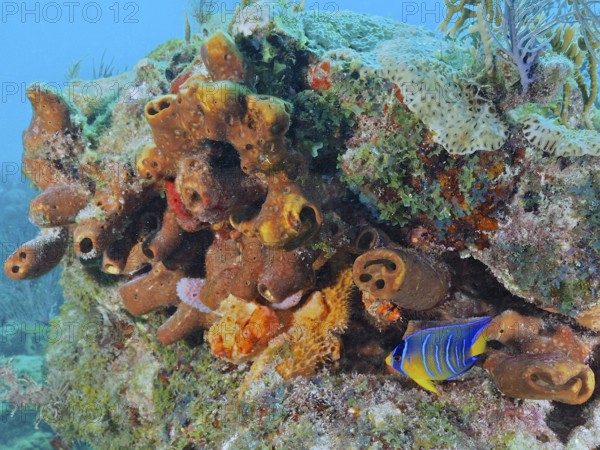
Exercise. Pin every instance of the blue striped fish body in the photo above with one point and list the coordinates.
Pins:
(440, 353)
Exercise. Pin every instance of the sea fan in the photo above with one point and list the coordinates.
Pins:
(524, 34)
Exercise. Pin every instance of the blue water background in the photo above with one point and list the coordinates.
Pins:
(40, 40)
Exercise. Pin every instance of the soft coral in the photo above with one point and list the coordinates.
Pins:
(524, 29)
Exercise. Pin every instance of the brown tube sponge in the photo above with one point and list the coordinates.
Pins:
(222, 58)
(185, 320)
(45, 174)
(286, 219)
(104, 222)
(115, 256)
(152, 164)
(125, 256)
(542, 377)
(510, 327)
(560, 340)
(219, 286)
(590, 318)
(406, 278)
(163, 118)
(190, 254)
(367, 239)
(232, 267)
(245, 268)
(58, 205)
(137, 261)
(152, 291)
(221, 111)
(52, 133)
(176, 122)
(260, 141)
(212, 109)
(166, 240)
(286, 273)
(527, 334)
(210, 193)
(38, 256)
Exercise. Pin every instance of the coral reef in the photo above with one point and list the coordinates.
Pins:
(551, 228)
(293, 193)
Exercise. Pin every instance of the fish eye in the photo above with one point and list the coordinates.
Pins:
(397, 358)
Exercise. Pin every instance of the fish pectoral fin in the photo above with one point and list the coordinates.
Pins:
(426, 384)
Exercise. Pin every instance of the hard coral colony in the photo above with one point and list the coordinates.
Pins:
(232, 217)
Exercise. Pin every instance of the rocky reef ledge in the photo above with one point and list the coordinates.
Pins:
(248, 228)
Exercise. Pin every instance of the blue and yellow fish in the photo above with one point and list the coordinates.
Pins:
(440, 353)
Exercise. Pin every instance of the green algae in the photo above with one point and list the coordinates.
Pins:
(398, 175)
(319, 126)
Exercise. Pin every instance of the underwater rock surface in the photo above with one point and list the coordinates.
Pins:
(289, 191)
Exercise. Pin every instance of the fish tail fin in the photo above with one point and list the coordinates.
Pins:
(479, 345)
(426, 384)
(481, 337)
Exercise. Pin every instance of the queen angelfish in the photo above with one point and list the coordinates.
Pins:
(440, 353)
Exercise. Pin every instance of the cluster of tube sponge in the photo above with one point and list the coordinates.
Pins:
(219, 152)
(211, 219)
(539, 362)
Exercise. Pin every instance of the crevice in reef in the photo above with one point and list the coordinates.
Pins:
(564, 418)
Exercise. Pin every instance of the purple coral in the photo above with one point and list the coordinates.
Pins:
(524, 31)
